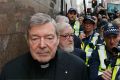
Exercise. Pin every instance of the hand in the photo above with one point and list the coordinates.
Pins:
(82, 36)
(107, 74)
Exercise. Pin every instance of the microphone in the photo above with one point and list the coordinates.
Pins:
(116, 50)
(107, 62)
(91, 45)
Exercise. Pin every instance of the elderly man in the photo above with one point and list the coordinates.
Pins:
(66, 40)
(105, 60)
(44, 61)
(60, 19)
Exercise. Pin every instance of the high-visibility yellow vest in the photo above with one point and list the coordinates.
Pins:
(102, 56)
(116, 68)
(76, 28)
(102, 67)
(88, 49)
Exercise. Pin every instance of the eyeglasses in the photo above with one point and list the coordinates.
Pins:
(67, 36)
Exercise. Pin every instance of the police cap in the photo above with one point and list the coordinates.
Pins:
(89, 18)
(72, 10)
(111, 29)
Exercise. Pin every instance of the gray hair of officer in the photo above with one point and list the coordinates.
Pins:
(41, 19)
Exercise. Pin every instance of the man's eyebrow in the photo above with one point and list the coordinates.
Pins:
(34, 35)
(49, 35)
(68, 33)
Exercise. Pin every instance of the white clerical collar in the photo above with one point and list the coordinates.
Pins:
(44, 65)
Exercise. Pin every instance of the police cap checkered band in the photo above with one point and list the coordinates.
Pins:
(111, 29)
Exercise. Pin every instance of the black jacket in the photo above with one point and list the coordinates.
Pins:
(80, 53)
(67, 67)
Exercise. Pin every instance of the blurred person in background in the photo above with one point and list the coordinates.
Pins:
(67, 40)
(73, 21)
(61, 19)
(117, 23)
(117, 14)
(81, 18)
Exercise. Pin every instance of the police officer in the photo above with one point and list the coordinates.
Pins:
(89, 37)
(105, 62)
(75, 24)
(72, 16)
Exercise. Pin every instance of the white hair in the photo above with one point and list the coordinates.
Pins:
(60, 18)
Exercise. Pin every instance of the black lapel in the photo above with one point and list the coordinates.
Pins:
(62, 67)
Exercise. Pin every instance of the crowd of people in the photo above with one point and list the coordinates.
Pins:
(71, 47)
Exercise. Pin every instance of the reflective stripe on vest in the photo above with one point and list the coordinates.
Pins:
(95, 38)
(87, 48)
(88, 51)
(102, 56)
(76, 28)
(82, 45)
(116, 68)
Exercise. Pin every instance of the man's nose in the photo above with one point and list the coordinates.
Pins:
(70, 38)
(111, 40)
(42, 43)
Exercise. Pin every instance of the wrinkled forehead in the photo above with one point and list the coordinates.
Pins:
(47, 28)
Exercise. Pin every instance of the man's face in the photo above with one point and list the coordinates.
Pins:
(88, 26)
(66, 39)
(43, 42)
(81, 20)
(72, 15)
(111, 41)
